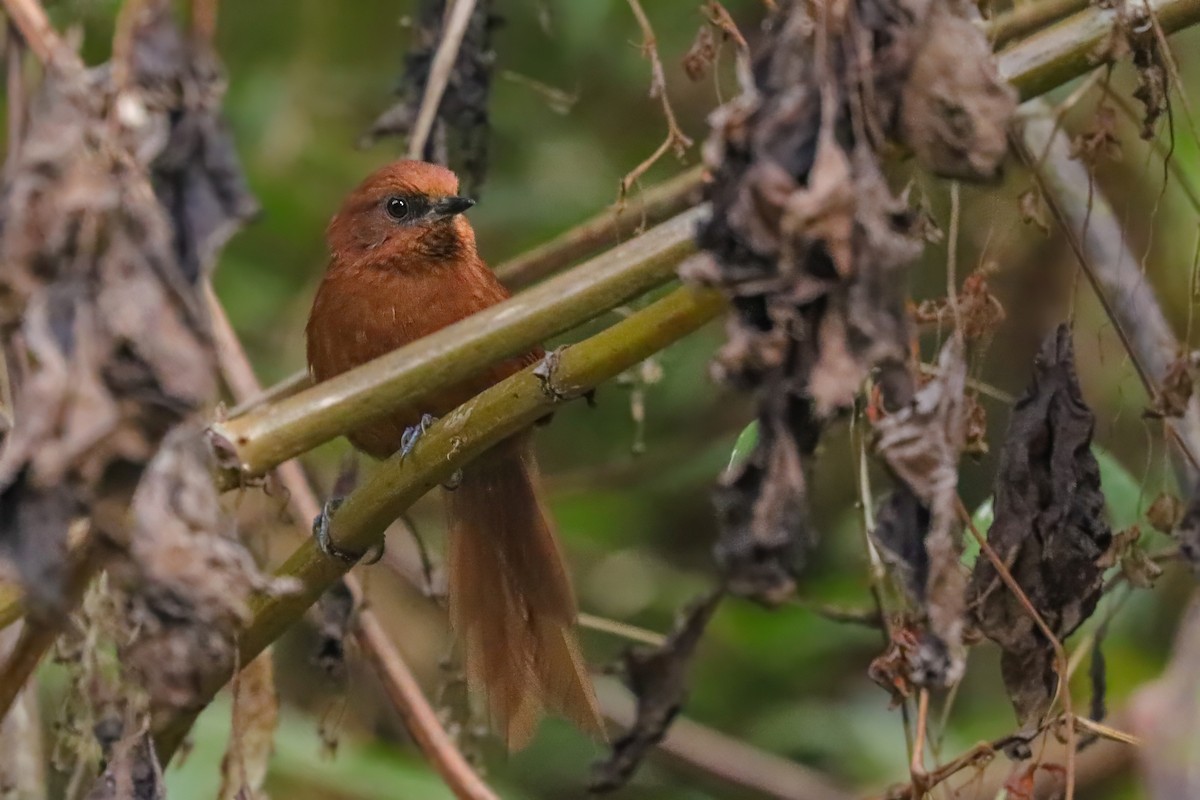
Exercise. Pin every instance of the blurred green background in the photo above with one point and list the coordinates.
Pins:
(306, 77)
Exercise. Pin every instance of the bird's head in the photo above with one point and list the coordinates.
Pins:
(406, 213)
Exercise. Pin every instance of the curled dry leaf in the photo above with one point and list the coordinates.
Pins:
(918, 526)
(657, 676)
(1135, 23)
(1174, 390)
(812, 246)
(979, 311)
(255, 717)
(460, 134)
(1098, 142)
(1049, 528)
(188, 580)
(114, 345)
(699, 59)
(1165, 512)
(333, 615)
(956, 107)
(196, 174)
(132, 772)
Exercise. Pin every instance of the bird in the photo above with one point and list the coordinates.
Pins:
(403, 264)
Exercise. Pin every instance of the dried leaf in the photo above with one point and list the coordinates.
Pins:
(1049, 527)
(115, 344)
(1174, 390)
(761, 508)
(1032, 207)
(255, 717)
(188, 579)
(956, 108)
(1165, 513)
(1098, 142)
(197, 174)
(810, 243)
(657, 676)
(919, 528)
(698, 60)
(132, 772)
(334, 613)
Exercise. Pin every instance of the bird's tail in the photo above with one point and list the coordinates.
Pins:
(511, 602)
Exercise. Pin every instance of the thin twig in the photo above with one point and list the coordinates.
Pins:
(15, 98)
(692, 747)
(622, 629)
(1098, 240)
(1060, 655)
(605, 229)
(916, 765)
(30, 18)
(419, 717)
(459, 17)
(204, 19)
(676, 139)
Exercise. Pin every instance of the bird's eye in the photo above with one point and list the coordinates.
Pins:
(397, 208)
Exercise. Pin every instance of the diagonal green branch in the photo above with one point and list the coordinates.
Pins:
(498, 413)
(275, 432)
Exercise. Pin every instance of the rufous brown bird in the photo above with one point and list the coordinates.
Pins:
(402, 265)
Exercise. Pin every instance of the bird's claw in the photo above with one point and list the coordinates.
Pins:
(321, 533)
(408, 440)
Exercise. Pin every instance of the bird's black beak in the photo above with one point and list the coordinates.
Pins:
(449, 206)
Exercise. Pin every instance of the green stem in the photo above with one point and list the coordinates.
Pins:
(1062, 52)
(451, 442)
(274, 432)
(606, 229)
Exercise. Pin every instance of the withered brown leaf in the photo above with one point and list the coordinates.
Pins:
(658, 678)
(918, 527)
(1050, 528)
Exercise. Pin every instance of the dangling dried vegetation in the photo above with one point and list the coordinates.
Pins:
(811, 244)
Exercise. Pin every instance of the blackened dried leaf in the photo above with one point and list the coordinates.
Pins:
(197, 174)
(132, 772)
(761, 507)
(658, 678)
(460, 134)
(334, 613)
(1049, 527)
(919, 528)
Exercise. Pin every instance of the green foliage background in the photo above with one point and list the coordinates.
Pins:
(308, 76)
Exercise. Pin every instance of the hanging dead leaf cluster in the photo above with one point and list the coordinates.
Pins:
(811, 244)
(124, 189)
(460, 134)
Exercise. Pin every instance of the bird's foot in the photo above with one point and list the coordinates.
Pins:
(322, 534)
(408, 440)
